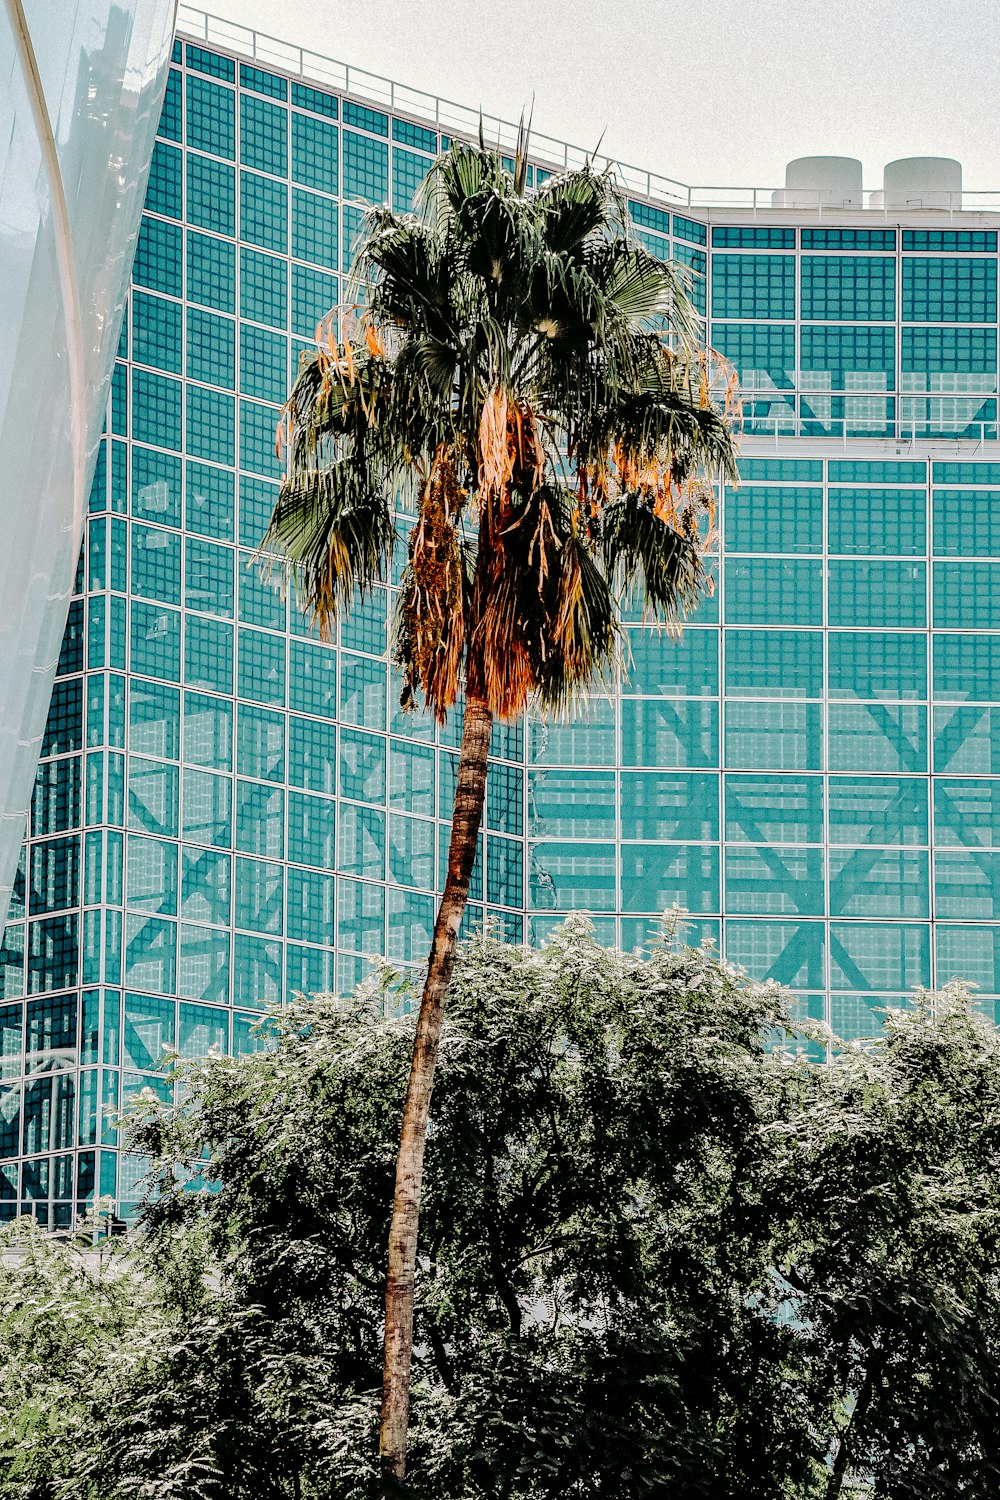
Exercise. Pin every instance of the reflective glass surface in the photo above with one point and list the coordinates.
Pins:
(229, 810)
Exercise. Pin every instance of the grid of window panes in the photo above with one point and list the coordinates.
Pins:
(228, 810)
(879, 332)
(812, 770)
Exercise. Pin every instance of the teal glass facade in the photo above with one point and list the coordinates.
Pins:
(854, 333)
(228, 810)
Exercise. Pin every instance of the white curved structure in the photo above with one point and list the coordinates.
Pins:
(922, 182)
(81, 84)
(821, 182)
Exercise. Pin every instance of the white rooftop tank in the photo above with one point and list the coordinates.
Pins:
(920, 182)
(820, 182)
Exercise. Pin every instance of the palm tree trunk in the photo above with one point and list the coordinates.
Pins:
(398, 1349)
(839, 1469)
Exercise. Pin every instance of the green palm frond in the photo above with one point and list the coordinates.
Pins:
(333, 535)
(427, 370)
(411, 275)
(458, 175)
(549, 607)
(640, 288)
(585, 635)
(331, 402)
(575, 206)
(521, 153)
(652, 560)
(667, 425)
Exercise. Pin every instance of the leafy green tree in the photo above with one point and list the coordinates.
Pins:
(884, 1208)
(662, 1255)
(106, 1369)
(510, 375)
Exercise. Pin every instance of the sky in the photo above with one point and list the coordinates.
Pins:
(712, 92)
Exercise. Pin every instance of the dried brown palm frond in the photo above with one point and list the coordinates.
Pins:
(430, 639)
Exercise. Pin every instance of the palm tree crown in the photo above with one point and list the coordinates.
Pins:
(510, 373)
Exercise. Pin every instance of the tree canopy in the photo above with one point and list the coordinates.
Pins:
(529, 378)
(664, 1253)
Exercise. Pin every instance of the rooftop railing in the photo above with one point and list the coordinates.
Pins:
(458, 119)
(912, 435)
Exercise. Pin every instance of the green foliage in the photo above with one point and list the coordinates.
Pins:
(661, 1256)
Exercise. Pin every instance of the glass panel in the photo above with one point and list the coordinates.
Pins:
(411, 778)
(786, 809)
(259, 895)
(849, 287)
(152, 796)
(873, 666)
(949, 289)
(311, 906)
(362, 842)
(878, 810)
(669, 734)
(363, 766)
(258, 976)
(774, 879)
(967, 667)
(790, 952)
(967, 883)
(969, 953)
(658, 876)
(573, 877)
(870, 520)
(848, 359)
(877, 737)
(151, 875)
(967, 740)
(207, 809)
(967, 596)
(879, 883)
(588, 740)
(203, 1028)
(361, 916)
(761, 589)
(311, 830)
(774, 518)
(753, 286)
(149, 1032)
(205, 885)
(658, 663)
(411, 851)
(967, 813)
(879, 956)
(966, 522)
(572, 804)
(260, 819)
(774, 736)
(203, 975)
(877, 593)
(151, 954)
(411, 925)
(763, 353)
(774, 663)
(658, 805)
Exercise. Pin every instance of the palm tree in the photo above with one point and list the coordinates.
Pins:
(530, 378)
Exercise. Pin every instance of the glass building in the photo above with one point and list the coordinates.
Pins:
(228, 810)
